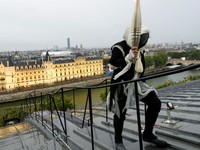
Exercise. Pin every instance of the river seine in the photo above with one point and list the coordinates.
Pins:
(82, 94)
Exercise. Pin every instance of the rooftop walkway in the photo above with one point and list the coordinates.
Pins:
(26, 136)
(183, 133)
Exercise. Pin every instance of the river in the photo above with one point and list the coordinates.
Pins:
(82, 94)
(175, 77)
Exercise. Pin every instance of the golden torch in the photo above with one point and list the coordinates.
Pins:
(135, 34)
(136, 25)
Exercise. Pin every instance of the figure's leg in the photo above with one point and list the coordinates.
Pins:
(154, 106)
(118, 126)
(118, 121)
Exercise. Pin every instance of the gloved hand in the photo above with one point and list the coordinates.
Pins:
(129, 57)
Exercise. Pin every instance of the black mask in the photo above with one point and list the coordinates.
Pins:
(143, 39)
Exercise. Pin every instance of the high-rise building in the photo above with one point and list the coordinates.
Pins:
(81, 46)
(68, 43)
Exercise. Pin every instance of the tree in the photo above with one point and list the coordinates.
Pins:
(160, 59)
(105, 61)
(149, 61)
(194, 55)
(67, 103)
(103, 95)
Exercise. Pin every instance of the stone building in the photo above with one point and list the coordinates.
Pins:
(19, 74)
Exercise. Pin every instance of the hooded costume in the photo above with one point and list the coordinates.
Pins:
(123, 67)
(121, 96)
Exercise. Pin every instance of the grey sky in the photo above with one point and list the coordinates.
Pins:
(40, 24)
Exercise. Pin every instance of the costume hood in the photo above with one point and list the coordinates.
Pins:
(143, 38)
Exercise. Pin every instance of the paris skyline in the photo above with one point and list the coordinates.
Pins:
(27, 25)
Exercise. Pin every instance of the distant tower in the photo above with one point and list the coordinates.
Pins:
(68, 43)
(81, 46)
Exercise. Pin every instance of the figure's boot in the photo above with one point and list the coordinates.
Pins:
(120, 146)
(118, 127)
(151, 138)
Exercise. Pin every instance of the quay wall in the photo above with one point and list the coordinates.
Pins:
(14, 96)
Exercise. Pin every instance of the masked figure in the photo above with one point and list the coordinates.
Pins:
(122, 96)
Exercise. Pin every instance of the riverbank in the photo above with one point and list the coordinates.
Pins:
(14, 96)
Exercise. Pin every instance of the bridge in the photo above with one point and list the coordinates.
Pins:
(181, 62)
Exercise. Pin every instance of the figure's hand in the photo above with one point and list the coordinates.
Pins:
(130, 56)
(134, 51)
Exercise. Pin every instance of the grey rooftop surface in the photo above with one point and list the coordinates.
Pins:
(26, 136)
(182, 131)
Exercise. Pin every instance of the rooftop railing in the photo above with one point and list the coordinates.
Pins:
(44, 102)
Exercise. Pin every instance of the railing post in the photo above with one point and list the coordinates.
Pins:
(27, 110)
(138, 115)
(55, 107)
(35, 107)
(65, 130)
(106, 104)
(85, 110)
(91, 116)
(74, 102)
(30, 107)
(41, 103)
(52, 127)
(145, 112)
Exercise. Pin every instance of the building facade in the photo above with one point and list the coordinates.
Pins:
(49, 71)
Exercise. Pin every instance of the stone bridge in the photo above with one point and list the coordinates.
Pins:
(181, 62)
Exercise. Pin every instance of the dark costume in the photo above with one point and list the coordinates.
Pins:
(154, 104)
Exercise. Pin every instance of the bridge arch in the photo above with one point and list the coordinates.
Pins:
(179, 63)
(169, 64)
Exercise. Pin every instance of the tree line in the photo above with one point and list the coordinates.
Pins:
(160, 58)
(189, 55)
(157, 60)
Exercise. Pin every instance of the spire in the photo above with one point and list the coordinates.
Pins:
(47, 57)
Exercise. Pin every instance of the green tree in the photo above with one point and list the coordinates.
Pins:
(194, 55)
(105, 61)
(103, 95)
(67, 103)
(175, 55)
(160, 59)
(149, 61)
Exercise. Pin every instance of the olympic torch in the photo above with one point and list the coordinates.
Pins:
(135, 34)
(136, 25)
(135, 31)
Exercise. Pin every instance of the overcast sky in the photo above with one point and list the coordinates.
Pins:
(41, 24)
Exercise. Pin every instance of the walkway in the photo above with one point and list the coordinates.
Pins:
(182, 134)
(26, 136)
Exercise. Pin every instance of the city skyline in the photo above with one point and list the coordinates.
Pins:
(31, 25)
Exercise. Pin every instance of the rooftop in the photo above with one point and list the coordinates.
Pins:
(182, 133)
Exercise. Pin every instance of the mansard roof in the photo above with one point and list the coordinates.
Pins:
(8, 60)
(28, 63)
(93, 58)
(61, 61)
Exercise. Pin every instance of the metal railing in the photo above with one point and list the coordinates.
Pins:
(34, 107)
(104, 84)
